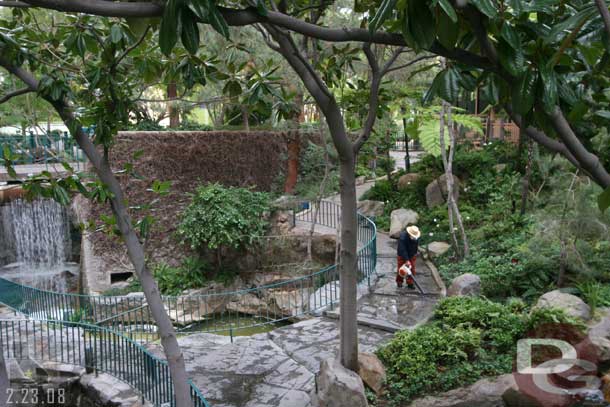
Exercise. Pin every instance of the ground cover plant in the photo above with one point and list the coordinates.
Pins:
(468, 338)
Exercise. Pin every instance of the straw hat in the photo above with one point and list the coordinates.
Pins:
(414, 232)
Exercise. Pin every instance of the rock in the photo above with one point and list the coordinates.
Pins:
(109, 391)
(360, 180)
(436, 249)
(399, 219)
(338, 387)
(371, 208)
(288, 302)
(324, 247)
(599, 335)
(248, 304)
(405, 180)
(499, 167)
(571, 304)
(436, 191)
(484, 393)
(466, 284)
(372, 372)
(282, 222)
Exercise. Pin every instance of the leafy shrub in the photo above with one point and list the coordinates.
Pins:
(174, 280)
(499, 325)
(147, 125)
(221, 217)
(468, 338)
(543, 316)
(189, 125)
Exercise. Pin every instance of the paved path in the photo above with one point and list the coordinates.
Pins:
(24, 171)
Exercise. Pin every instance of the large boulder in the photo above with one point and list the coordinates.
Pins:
(570, 304)
(484, 393)
(436, 191)
(405, 180)
(399, 219)
(371, 371)
(599, 335)
(338, 387)
(465, 284)
(436, 249)
(371, 208)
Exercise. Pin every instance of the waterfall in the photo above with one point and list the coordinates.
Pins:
(37, 234)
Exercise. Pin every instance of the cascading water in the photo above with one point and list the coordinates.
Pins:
(37, 234)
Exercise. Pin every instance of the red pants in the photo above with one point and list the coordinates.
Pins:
(401, 262)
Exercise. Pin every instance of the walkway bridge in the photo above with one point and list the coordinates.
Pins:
(111, 329)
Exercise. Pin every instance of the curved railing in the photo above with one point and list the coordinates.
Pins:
(95, 348)
(129, 317)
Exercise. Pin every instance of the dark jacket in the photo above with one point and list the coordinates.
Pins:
(407, 246)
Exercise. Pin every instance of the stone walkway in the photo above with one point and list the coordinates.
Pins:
(277, 369)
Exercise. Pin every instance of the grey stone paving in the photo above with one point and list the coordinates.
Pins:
(277, 369)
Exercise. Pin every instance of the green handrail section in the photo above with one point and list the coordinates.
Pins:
(126, 320)
(43, 149)
(95, 348)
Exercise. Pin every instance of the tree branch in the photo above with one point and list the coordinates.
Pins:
(377, 75)
(13, 94)
(413, 62)
(588, 161)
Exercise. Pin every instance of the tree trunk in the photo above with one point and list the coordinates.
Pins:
(452, 206)
(349, 264)
(404, 127)
(447, 166)
(525, 186)
(172, 109)
(563, 254)
(137, 256)
(245, 116)
(388, 156)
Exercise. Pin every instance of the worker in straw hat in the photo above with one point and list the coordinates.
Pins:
(408, 244)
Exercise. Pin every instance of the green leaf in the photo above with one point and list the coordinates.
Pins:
(200, 9)
(603, 113)
(490, 92)
(575, 22)
(549, 87)
(511, 59)
(190, 31)
(168, 32)
(523, 92)
(447, 31)
(604, 200)
(218, 21)
(487, 7)
(116, 34)
(383, 13)
(449, 85)
(449, 10)
(421, 23)
(510, 35)
(232, 88)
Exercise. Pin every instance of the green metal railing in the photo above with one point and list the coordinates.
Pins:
(95, 348)
(128, 317)
(46, 149)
